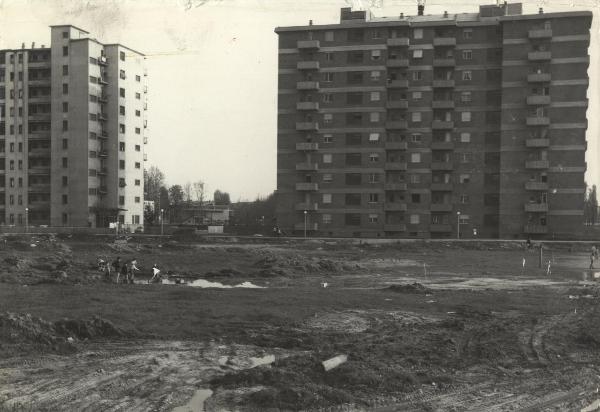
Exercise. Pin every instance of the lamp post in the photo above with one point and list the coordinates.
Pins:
(305, 216)
(26, 220)
(458, 225)
(162, 211)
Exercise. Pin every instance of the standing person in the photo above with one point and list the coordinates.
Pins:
(131, 266)
(592, 256)
(117, 267)
(155, 273)
(528, 242)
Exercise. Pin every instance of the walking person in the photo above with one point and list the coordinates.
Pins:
(592, 257)
(131, 266)
(117, 265)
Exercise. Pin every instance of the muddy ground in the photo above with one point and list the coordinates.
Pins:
(426, 326)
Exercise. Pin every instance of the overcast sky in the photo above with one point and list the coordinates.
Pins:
(213, 73)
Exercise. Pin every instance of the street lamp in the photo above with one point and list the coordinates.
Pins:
(305, 216)
(458, 225)
(26, 220)
(161, 221)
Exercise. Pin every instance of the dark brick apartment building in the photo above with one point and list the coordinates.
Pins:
(429, 125)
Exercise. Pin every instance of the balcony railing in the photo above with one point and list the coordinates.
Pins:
(535, 229)
(537, 100)
(537, 164)
(308, 44)
(304, 146)
(539, 55)
(398, 41)
(395, 207)
(539, 77)
(307, 206)
(540, 34)
(444, 41)
(442, 104)
(397, 84)
(440, 228)
(307, 126)
(442, 145)
(394, 227)
(448, 62)
(397, 63)
(395, 165)
(396, 145)
(536, 207)
(303, 186)
(443, 83)
(396, 124)
(307, 106)
(307, 85)
(307, 65)
(537, 142)
(441, 187)
(397, 187)
(442, 165)
(397, 104)
(543, 186)
(538, 121)
(307, 167)
(103, 153)
(441, 207)
(442, 124)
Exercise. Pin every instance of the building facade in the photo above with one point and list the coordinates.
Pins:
(72, 131)
(469, 125)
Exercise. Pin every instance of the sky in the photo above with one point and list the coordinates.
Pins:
(212, 67)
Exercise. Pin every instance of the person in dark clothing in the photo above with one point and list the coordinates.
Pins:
(117, 265)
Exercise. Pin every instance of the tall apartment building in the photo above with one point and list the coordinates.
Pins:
(434, 125)
(72, 132)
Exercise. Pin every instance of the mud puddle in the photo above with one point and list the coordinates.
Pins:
(196, 404)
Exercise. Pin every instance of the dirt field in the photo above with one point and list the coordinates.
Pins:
(433, 326)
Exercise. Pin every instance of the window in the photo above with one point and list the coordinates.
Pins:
(138, 113)
(122, 164)
(65, 70)
(373, 178)
(464, 178)
(373, 217)
(415, 157)
(418, 53)
(20, 182)
(92, 191)
(353, 139)
(20, 147)
(374, 157)
(354, 77)
(352, 219)
(138, 78)
(65, 218)
(329, 35)
(417, 95)
(465, 97)
(138, 130)
(375, 96)
(353, 159)
(137, 182)
(122, 74)
(464, 199)
(12, 182)
(93, 116)
(327, 98)
(465, 137)
(326, 218)
(65, 125)
(467, 54)
(375, 55)
(374, 117)
(138, 148)
(415, 198)
(65, 199)
(12, 165)
(327, 158)
(122, 110)
(327, 77)
(329, 57)
(354, 98)
(138, 165)
(91, 172)
(121, 201)
(93, 60)
(373, 137)
(373, 197)
(466, 157)
(12, 199)
(65, 88)
(415, 178)
(121, 128)
(122, 56)
(65, 34)
(65, 107)
(467, 75)
(11, 147)
(414, 219)
(327, 118)
(93, 154)
(417, 75)
(465, 116)
(137, 199)
(467, 33)
(417, 33)
(416, 117)
(375, 75)
(65, 180)
(327, 177)
(121, 92)
(326, 197)
(65, 50)
(416, 138)
(137, 95)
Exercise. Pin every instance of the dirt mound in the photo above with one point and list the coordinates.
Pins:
(416, 288)
(22, 329)
(88, 329)
(296, 264)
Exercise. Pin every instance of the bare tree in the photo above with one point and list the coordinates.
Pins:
(198, 188)
(187, 192)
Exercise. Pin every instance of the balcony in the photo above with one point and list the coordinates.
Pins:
(41, 117)
(442, 145)
(442, 124)
(145, 139)
(103, 134)
(443, 83)
(102, 190)
(307, 146)
(540, 34)
(442, 104)
(102, 61)
(39, 188)
(39, 170)
(536, 207)
(397, 84)
(444, 41)
(395, 207)
(396, 124)
(397, 63)
(307, 187)
(538, 100)
(396, 145)
(307, 126)
(537, 142)
(539, 77)
(102, 171)
(102, 117)
(309, 226)
(307, 106)
(543, 186)
(396, 104)
(440, 228)
(39, 82)
(397, 187)
(538, 121)
(307, 85)
(537, 164)
(102, 80)
(442, 166)
(307, 206)
(103, 98)
(535, 229)
(539, 55)
(395, 166)
(394, 227)
(39, 152)
(307, 167)
(441, 207)
(308, 65)
(398, 41)
(444, 62)
(308, 44)
(441, 187)
(103, 153)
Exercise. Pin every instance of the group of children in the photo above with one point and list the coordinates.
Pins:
(126, 269)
